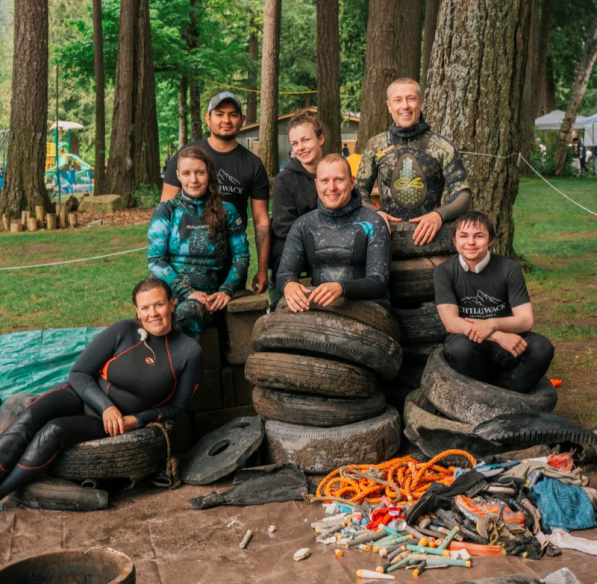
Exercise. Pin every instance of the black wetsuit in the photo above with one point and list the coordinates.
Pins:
(348, 245)
(151, 380)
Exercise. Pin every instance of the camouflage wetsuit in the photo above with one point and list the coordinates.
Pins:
(348, 245)
(182, 253)
(411, 167)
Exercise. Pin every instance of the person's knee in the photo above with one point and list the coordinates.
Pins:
(459, 350)
(45, 444)
(541, 349)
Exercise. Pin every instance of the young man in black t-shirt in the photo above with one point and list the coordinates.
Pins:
(241, 174)
(483, 301)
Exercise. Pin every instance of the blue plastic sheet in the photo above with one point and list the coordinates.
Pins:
(33, 361)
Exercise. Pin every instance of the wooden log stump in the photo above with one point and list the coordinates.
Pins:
(72, 220)
(32, 224)
(51, 220)
(16, 226)
(63, 217)
(6, 222)
(40, 214)
(24, 217)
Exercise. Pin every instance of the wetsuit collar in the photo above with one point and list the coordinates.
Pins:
(353, 205)
(188, 199)
(408, 133)
(479, 267)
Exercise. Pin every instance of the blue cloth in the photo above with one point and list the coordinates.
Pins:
(563, 506)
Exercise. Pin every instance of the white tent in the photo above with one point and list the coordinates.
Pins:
(590, 127)
(553, 121)
(64, 125)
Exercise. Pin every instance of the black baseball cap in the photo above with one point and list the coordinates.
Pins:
(216, 100)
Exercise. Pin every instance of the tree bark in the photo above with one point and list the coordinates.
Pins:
(541, 76)
(409, 30)
(431, 11)
(583, 73)
(529, 104)
(194, 89)
(252, 78)
(478, 64)
(99, 177)
(134, 147)
(328, 73)
(183, 125)
(550, 88)
(381, 68)
(270, 69)
(24, 187)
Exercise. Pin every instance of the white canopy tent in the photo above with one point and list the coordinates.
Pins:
(590, 128)
(553, 121)
(64, 125)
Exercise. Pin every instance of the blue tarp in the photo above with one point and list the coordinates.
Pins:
(33, 361)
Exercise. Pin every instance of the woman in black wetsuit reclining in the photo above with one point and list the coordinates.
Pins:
(147, 372)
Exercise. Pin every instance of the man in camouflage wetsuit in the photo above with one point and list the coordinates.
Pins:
(412, 165)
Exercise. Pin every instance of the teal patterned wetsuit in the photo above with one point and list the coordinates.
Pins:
(182, 253)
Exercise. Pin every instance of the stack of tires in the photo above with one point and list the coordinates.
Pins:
(317, 379)
(412, 295)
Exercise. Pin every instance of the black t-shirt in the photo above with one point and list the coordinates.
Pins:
(492, 293)
(241, 175)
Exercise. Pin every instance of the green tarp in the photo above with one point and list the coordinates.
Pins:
(33, 361)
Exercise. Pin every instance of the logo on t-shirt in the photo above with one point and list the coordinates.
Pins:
(224, 176)
(481, 306)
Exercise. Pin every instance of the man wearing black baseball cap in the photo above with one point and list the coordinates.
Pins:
(241, 174)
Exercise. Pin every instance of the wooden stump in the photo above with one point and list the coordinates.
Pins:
(63, 215)
(16, 226)
(24, 217)
(72, 220)
(6, 222)
(51, 220)
(32, 224)
(40, 213)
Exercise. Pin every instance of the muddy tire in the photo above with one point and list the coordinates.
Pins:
(13, 406)
(321, 450)
(420, 324)
(402, 245)
(468, 400)
(326, 412)
(411, 281)
(368, 313)
(58, 495)
(135, 455)
(329, 335)
(309, 375)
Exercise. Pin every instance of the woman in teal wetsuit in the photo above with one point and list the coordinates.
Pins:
(193, 238)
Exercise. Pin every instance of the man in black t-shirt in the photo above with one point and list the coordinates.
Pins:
(241, 174)
(483, 301)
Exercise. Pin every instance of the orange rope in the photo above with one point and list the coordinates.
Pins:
(402, 480)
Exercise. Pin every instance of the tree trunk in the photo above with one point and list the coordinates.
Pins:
(550, 88)
(583, 73)
(134, 146)
(270, 69)
(409, 29)
(478, 64)
(99, 176)
(183, 125)
(328, 73)
(24, 187)
(194, 89)
(381, 68)
(541, 75)
(252, 78)
(431, 10)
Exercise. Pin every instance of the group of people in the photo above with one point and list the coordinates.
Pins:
(323, 223)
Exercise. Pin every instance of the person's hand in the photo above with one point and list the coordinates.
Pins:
(428, 226)
(296, 296)
(199, 296)
(259, 284)
(326, 293)
(113, 421)
(130, 423)
(217, 301)
(388, 218)
(481, 329)
(511, 342)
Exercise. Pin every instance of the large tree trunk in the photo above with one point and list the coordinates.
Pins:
(183, 124)
(529, 105)
(328, 73)
(541, 75)
(410, 23)
(583, 73)
(134, 146)
(478, 65)
(270, 69)
(194, 89)
(550, 88)
(99, 176)
(24, 187)
(431, 11)
(252, 78)
(381, 68)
